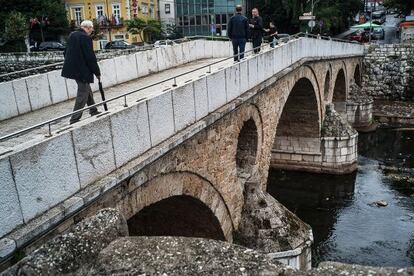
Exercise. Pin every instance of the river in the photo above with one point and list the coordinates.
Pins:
(347, 225)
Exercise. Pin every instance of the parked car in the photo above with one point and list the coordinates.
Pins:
(164, 43)
(51, 46)
(360, 36)
(378, 34)
(119, 44)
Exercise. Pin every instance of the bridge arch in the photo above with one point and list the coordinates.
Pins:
(301, 112)
(357, 75)
(249, 141)
(327, 85)
(162, 205)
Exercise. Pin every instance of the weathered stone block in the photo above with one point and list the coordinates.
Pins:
(94, 150)
(161, 117)
(244, 76)
(253, 72)
(232, 82)
(126, 68)
(200, 49)
(142, 63)
(7, 246)
(45, 174)
(38, 89)
(72, 88)
(186, 52)
(11, 214)
(57, 85)
(184, 106)
(161, 59)
(8, 106)
(178, 54)
(108, 76)
(216, 86)
(21, 95)
(130, 130)
(201, 97)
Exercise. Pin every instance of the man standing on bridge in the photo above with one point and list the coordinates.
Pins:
(238, 32)
(256, 30)
(81, 64)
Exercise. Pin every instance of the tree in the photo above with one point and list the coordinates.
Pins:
(140, 27)
(136, 26)
(404, 6)
(152, 29)
(16, 30)
(335, 14)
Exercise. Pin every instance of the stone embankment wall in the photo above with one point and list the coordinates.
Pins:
(389, 71)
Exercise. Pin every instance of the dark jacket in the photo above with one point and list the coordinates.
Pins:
(257, 30)
(80, 60)
(238, 27)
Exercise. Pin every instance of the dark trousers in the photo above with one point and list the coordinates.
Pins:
(238, 43)
(257, 41)
(84, 96)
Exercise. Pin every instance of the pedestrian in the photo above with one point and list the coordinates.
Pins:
(80, 65)
(238, 32)
(256, 30)
(272, 33)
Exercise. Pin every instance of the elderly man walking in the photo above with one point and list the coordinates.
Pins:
(238, 32)
(81, 64)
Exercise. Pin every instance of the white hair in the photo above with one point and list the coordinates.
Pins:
(87, 24)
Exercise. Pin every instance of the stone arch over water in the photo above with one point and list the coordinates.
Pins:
(185, 196)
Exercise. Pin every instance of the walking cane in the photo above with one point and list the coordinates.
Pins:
(102, 95)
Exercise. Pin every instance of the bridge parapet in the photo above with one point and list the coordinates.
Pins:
(46, 171)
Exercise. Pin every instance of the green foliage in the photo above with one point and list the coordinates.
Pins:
(140, 27)
(53, 9)
(15, 27)
(404, 6)
(336, 15)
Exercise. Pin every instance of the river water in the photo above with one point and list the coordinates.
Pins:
(347, 225)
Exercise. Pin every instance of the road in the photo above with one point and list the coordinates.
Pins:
(390, 30)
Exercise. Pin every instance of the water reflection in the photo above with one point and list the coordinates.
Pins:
(347, 226)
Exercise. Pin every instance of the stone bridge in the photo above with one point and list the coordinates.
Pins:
(178, 163)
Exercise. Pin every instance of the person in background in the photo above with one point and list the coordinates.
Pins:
(256, 29)
(272, 33)
(238, 32)
(80, 65)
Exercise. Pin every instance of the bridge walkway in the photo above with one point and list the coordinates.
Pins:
(50, 112)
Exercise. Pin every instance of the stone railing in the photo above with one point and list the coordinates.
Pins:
(41, 174)
(34, 92)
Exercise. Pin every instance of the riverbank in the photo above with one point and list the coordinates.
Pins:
(394, 112)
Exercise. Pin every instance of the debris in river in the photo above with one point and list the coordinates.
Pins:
(381, 203)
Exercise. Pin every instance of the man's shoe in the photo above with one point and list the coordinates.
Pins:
(73, 122)
(95, 113)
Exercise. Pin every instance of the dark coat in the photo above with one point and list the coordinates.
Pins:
(80, 60)
(257, 30)
(238, 27)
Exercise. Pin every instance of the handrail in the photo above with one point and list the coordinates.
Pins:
(174, 78)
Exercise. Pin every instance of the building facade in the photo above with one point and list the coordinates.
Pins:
(111, 16)
(204, 17)
(167, 12)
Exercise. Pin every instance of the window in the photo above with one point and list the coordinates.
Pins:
(99, 11)
(116, 11)
(78, 15)
(144, 8)
(152, 10)
(167, 8)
